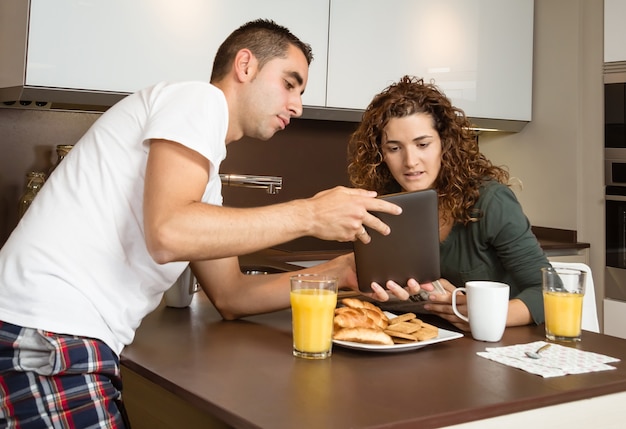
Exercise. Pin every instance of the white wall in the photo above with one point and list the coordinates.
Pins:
(559, 155)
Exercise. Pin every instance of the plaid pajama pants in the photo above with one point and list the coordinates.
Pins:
(57, 381)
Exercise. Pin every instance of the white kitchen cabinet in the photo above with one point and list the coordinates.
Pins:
(83, 50)
(478, 51)
(614, 30)
(615, 318)
(93, 52)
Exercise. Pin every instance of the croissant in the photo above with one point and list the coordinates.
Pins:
(363, 322)
(346, 317)
(363, 335)
(366, 305)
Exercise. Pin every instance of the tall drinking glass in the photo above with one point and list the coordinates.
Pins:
(313, 302)
(563, 292)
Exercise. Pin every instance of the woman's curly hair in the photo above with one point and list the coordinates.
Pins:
(463, 167)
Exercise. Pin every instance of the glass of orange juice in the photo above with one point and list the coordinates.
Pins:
(563, 291)
(313, 302)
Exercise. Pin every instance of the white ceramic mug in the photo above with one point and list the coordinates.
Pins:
(181, 292)
(487, 308)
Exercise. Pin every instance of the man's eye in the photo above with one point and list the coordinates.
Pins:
(288, 85)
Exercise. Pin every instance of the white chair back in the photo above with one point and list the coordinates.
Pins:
(590, 312)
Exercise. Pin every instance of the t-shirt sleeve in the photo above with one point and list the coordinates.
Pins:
(193, 114)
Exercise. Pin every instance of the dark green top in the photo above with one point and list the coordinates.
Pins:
(500, 246)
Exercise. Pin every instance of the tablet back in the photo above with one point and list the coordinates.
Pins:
(411, 250)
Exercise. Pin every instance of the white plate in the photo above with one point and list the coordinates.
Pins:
(444, 335)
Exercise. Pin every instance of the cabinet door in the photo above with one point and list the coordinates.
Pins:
(614, 30)
(123, 46)
(478, 51)
(615, 318)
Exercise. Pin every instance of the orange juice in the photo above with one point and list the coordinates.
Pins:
(312, 312)
(563, 312)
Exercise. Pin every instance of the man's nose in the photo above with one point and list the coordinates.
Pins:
(295, 106)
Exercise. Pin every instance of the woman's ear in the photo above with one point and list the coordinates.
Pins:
(244, 65)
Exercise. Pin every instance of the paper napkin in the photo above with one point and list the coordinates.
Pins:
(555, 361)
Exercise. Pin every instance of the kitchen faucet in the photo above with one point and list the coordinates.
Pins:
(272, 184)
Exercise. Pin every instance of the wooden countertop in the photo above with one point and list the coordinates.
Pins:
(550, 239)
(557, 239)
(243, 373)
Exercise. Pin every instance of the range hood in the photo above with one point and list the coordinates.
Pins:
(32, 97)
(355, 115)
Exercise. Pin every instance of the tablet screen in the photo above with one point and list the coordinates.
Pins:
(411, 250)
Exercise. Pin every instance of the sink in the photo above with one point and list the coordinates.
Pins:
(283, 268)
(264, 269)
(272, 262)
(307, 264)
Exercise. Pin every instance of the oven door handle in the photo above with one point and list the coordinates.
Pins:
(615, 198)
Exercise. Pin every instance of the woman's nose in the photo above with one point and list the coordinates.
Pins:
(411, 158)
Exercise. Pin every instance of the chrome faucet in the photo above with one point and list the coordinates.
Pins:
(272, 184)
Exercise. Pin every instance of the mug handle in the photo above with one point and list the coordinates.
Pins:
(194, 285)
(459, 289)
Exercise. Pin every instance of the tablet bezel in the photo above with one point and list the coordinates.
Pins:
(411, 250)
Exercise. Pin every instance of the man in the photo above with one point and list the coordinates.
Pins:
(136, 200)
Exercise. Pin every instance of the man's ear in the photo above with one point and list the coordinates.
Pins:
(245, 65)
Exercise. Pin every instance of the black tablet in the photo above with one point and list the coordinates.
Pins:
(411, 250)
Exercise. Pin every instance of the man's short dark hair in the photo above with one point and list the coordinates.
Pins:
(265, 39)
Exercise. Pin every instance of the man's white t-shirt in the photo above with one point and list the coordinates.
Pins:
(77, 262)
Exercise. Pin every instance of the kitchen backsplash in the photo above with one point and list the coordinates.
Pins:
(310, 155)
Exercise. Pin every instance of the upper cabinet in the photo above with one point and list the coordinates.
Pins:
(614, 30)
(478, 52)
(94, 52)
(614, 41)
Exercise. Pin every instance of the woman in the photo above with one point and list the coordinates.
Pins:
(411, 138)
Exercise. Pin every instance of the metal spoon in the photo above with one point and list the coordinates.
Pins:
(536, 355)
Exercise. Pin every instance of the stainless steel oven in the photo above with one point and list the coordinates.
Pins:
(615, 181)
(615, 115)
(615, 208)
(615, 282)
(615, 167)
